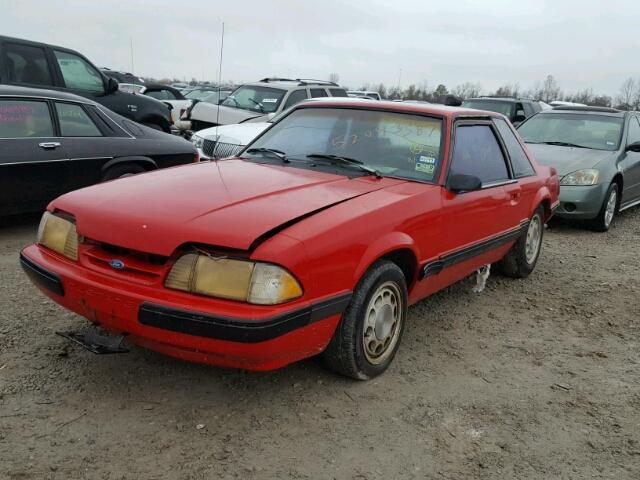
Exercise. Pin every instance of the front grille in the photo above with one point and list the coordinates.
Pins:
(213, 149)
(208, 146)
(224, 150)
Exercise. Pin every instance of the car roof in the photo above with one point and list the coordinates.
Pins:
(501, 99)
(16, 91)
(292, 83)
(611, 112)
(34, 43)
(402, 107)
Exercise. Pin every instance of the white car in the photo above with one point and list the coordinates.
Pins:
(224, 141)
(259, 101)
(364, 93)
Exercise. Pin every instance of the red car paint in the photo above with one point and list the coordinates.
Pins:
(326, 229)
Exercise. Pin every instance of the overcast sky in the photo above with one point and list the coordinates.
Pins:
(582, 43)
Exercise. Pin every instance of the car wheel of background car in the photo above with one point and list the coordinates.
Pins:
(521, 260)
(120, 171)
(608, 210)
(155, 126)
(368, 336)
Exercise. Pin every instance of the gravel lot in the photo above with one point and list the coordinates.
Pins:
(535, 379)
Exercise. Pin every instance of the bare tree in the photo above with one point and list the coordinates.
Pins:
(334, 77)
(627, 90)
(550, 90)
(467, 90)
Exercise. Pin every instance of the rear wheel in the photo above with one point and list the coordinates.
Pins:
(120, 171)
(609, 208)
(368, 337)
(521, 260)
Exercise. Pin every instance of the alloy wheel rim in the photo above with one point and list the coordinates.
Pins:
(382, 323)
(611, 208)
(534, 237)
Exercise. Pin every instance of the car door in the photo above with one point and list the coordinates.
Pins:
(479, 225)
(630, 164)
(86, 142)
(32, 159)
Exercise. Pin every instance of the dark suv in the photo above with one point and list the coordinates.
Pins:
(517, 110)
(39, 65)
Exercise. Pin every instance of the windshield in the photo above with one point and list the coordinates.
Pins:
(255, 98)
(505, 108)
(598, 132)
(394, 144)
(198, 94)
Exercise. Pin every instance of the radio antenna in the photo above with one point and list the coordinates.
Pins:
(132, 74)
(219, 85)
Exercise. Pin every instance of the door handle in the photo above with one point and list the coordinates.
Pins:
(49, 145)
(515, 195)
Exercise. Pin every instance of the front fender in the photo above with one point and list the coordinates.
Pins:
(382, 246)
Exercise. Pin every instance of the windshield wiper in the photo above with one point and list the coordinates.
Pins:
(260, 106)
(275, 153)
(560, 144)
(347, 161)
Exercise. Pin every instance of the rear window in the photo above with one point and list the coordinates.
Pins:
(505, 108)
(25, 119)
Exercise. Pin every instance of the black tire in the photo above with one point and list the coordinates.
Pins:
(601, 223)
(515, 263)
(124, 170)
(345, 353)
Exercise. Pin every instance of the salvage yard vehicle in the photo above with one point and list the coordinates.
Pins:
(596, 151)
(54, 142)
(260, 101)
(214, 143)
(38, 65)
(516, 109)
(315, 240)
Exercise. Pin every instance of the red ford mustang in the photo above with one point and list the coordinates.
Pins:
(316, 239)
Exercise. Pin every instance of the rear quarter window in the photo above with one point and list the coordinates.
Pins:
(519, 160)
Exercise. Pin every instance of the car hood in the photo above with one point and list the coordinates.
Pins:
(239, 134)
(208, 112)
(229, 204)
(567, 159)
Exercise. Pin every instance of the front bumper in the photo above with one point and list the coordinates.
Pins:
(187, 326)
(581, 202)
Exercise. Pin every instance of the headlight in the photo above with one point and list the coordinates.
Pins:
(588, 176)
(58, 234)
(243, 280)
(197, 141)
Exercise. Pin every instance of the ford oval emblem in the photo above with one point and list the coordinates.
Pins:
(117, 264)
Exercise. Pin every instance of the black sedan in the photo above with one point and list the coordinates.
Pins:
(53, 142)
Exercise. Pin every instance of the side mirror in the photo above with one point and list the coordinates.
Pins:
(459, 183)
(112, 85)
(633, 147)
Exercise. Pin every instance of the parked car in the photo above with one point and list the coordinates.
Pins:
(224, 141)
(260, 101)
(38, 65)
(53, 142)
(364, 93)
(596, 151)
(123, 77)
(517, 110)
(334, 220)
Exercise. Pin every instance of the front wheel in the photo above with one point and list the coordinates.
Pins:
(603, 221)
(521, 260)
(368, 336)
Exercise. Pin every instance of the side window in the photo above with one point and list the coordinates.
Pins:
(78, 73)
(634, 131)
(26, 64)
(295, 97)
(476, 152)
(519, 160)
(338, 92)
(161, 94)
(520, 113)
(74, 121)
(318, 92)
(24, 119)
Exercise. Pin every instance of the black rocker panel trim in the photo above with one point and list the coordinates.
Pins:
(436, 266)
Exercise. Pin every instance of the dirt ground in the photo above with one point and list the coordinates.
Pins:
(536, 379)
